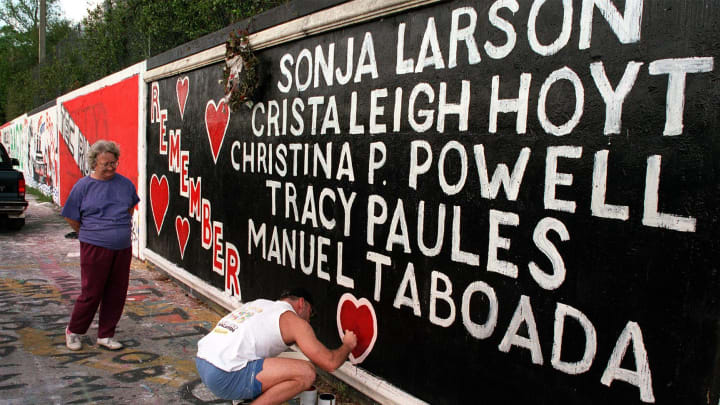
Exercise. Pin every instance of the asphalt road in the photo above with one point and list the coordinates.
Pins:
(39, 281)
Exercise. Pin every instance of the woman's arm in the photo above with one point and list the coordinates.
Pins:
(75, 225)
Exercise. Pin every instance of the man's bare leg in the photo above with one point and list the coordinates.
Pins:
(283, 378)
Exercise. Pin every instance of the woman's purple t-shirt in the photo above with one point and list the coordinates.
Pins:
(101, 207)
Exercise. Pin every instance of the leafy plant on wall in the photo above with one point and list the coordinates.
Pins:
(240, 71)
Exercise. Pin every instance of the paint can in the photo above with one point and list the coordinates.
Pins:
(326, 398)
(309, 397)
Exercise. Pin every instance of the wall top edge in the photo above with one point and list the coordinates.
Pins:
(14, 120)
(291, 10)
(132, 70)
(43, 107)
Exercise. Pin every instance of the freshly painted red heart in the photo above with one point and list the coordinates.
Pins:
(182, 229)
(359, 317)
(182, 88)
(159, 198)
(217, 117)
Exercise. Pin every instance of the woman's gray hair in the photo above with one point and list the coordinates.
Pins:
(99, 148)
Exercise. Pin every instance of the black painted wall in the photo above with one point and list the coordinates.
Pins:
(639, 268)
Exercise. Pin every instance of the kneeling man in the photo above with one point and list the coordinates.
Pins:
(237, 359)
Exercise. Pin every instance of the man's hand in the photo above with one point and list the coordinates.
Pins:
(350, 339)
(295, 329)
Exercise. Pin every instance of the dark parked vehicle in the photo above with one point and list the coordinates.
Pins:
(12, 192)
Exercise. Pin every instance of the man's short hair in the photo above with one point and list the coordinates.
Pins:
(298, 292)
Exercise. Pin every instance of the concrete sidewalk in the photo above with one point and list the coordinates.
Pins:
(39, 280)
(160, 327)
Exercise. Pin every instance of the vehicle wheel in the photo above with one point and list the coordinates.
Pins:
(16, 224)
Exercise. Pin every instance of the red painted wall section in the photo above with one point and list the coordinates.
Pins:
(109, 113)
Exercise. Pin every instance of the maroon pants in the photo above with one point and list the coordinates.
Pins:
(104, 278)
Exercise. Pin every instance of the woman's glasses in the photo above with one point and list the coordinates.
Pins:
(106, 165)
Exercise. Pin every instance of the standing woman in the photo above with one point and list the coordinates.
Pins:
(99, 209)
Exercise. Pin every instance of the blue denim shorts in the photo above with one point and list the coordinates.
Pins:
(240, 384)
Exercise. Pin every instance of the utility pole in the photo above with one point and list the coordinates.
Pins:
(41, 32)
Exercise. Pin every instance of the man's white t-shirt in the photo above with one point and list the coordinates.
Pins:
(248, 333)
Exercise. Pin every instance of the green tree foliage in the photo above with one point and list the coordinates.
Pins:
(114, 35)
(19, 50)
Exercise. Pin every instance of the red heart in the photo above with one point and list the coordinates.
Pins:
(359, 317)
(182, 228)
(182, 88)
(159, 198)
(217, 117)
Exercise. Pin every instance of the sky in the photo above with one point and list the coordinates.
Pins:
(75, 10)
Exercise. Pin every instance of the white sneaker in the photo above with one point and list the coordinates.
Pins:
(110, 343)
(72, 340)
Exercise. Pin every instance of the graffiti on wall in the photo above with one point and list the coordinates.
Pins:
(75, 142)
(42, 151)
(15, 139)
(32, 140)
(518, 188)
